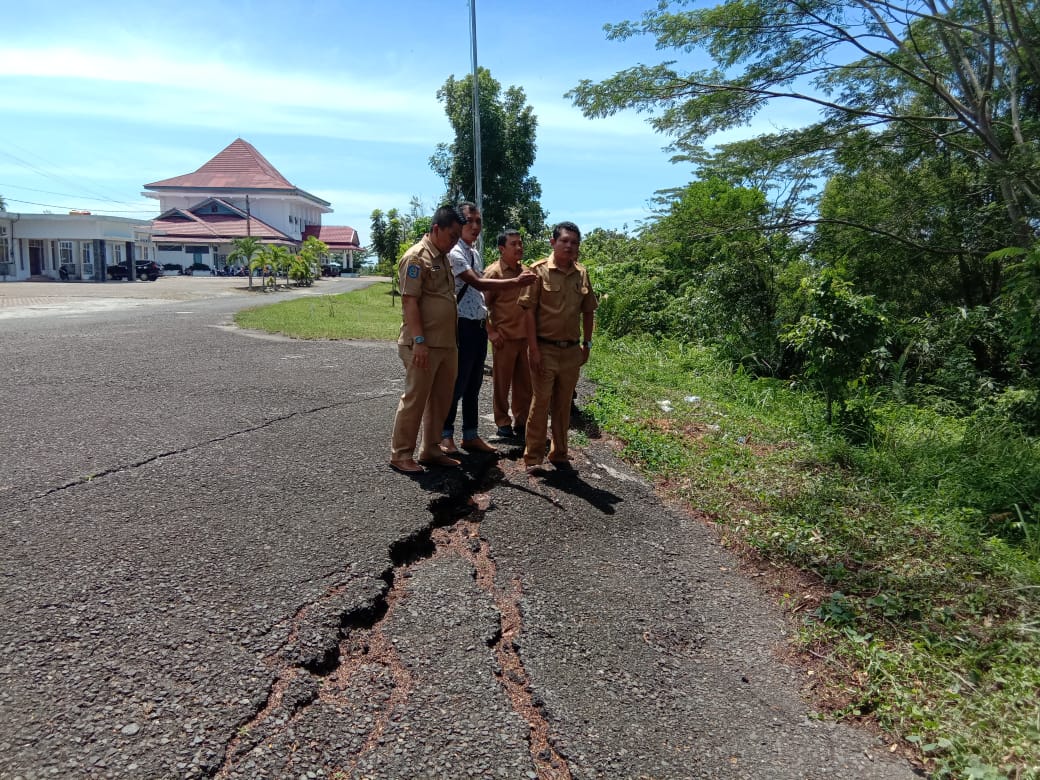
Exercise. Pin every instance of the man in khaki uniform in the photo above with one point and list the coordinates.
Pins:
(507, 331)
(555, 308)
(426, 344)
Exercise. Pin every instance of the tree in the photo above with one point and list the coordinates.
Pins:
(245, 249)
(3, 203)
(307, 264)
(960, 77)
(276, 257)
(836, 335)
(386, 240)
(507, 141)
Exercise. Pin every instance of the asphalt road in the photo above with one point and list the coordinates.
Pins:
(207, 570)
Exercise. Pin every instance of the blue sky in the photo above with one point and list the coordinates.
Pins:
(100, 98)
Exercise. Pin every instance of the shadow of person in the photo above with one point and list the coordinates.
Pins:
(565, 479)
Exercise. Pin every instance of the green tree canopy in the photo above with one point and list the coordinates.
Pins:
(507, 139)
(962, 78)
(387, 232)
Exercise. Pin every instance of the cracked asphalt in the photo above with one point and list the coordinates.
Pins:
(207, 570)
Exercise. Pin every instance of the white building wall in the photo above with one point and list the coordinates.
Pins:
(287, 213)
(51, 230)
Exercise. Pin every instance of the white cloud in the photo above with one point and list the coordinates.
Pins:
(156, 88)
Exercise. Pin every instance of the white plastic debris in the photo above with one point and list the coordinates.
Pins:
(665, 405)
(692, 399)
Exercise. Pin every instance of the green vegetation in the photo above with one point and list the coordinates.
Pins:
(508, 128)
(924, 607)
(362, 314)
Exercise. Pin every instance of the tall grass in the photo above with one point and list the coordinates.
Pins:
(923, 543)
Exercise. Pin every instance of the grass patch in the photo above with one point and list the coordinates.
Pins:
(923, 605)
(361, 314)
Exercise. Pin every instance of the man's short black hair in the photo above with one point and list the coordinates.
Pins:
(505, 234)
(446, 216)
(569, 226)
(465, 207)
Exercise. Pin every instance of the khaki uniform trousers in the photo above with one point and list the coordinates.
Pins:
(511, 370)
(553, 392)
(426, 398)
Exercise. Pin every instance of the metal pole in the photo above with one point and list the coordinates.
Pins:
(478, 189)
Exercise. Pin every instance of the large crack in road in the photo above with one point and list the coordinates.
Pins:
(364, 651)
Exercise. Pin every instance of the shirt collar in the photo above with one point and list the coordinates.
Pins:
(428, 243)
(553, 266)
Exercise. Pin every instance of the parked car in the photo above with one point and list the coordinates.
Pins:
(331, 269)
(144, 269)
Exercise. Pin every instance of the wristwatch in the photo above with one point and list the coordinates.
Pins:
(587, 343)
(419, 340)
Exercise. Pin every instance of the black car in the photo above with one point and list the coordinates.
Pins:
(144, 269)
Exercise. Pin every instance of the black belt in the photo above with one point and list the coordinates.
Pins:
(560, 344)
(478, 323)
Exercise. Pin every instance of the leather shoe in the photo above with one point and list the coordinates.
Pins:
(408, 466)
(477, 445)
(504, 432)
(439, 460)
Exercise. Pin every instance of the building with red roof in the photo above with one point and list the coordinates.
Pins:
(237, 194)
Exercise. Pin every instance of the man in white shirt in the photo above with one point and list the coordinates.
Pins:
(468, 268)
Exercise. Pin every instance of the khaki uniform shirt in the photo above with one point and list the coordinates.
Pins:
(506, 315)
(425, 273)
(558, 299)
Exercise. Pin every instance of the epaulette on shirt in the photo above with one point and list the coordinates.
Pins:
(537, 263)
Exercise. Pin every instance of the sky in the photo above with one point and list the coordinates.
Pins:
(101, 98)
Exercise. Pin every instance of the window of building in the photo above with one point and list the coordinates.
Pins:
(117, 254)
(65, 257)
(5, 246)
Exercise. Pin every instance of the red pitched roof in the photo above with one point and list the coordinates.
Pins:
(239, 166)
(182, 225)
(333, 236)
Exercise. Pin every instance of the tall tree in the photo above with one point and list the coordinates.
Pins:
(507, 142)
(960, 76)
(386, 239)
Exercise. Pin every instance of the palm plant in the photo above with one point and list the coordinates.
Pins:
(244, 251)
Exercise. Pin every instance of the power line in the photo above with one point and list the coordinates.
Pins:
(63, 194)
(93, 193)
(79, 208)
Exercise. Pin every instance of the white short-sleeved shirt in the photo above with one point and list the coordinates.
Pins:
(462, 256)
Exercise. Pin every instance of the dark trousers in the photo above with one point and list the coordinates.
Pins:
(473, 345)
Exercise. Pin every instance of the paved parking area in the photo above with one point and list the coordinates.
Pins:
(29, 299)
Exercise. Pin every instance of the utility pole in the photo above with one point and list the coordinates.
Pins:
(478, 187)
